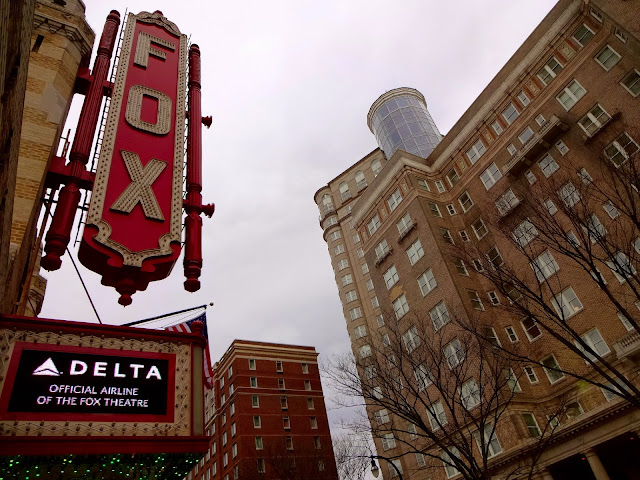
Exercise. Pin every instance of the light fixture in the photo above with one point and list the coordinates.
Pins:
(375, 471)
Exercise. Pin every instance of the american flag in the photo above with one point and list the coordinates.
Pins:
(185, 327)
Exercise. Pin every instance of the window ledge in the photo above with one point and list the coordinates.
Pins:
(381, 258)
(406, 231)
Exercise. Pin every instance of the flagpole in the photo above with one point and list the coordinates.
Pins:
(137, 322)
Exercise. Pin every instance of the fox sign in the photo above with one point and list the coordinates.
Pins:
(133, 229)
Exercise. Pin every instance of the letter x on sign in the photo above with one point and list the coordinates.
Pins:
(139, 190)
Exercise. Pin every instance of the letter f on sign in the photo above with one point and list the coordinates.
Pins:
(139, 190)
(144, 48)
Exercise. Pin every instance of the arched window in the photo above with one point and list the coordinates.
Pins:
(345, 194)
(327, 203)
(376, 166)
(360, 180)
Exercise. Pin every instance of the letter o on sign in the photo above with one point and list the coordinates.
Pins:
(134, 110)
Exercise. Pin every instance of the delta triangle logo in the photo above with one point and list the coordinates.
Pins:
(47, 368)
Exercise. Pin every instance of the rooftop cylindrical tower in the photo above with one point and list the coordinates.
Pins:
(400, 121)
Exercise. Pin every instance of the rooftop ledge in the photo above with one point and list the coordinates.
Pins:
(540, 141)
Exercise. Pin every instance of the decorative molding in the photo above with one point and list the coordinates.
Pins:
(73, 27)
(159, 19)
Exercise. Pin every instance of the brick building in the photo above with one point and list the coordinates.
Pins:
(396, 222)
(55, 41)
(266, 416)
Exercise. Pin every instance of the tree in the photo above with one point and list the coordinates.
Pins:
(442, 394)
(570, 226)
(352, 455)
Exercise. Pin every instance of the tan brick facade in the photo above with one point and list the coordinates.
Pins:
(425, 185)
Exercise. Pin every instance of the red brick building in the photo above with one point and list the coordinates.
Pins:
(266, 416)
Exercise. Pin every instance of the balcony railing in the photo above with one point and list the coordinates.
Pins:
(381, 257)
(628, 346)
(539, 142)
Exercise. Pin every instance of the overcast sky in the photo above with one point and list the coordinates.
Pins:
(289, 84)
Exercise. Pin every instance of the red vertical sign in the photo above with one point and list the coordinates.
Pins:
(134, 221)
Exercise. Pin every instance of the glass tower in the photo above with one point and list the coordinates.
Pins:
(400, 121)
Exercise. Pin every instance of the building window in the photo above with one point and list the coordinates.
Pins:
(310, 404)
(452, 177)
(451, 209)
(583, 34)
(307, 385)
(532, 425)
(439, 316)
(548, 165)
(511, 149)
(531, 178)
(281, 384)
(435, 210)
(369, 284)
(359, 332)
(449, 466)
(305, 367)
(476, 302)
(286, 423)
(333, 236)
(621, 149)
(394, 200)
(584, 176)
(386, 341)
(391, 277)
(571, 94)
(595, 341)
(494, 256)
(415, 252)
(531, 374)
(470, 394)
(511, 334)
(388, 441)
(288, 443)
(465, 201)
(423, 184)
(373, 224)
(351, 296)
(365, 351)
(476, 151)
(490, 176)
(440, 186)
(339, 249)
(232, 408)
(531, 328)
(224, 438)
(314, 422)
(454, 353)
(253, 381)
(594, 120)
(426, 282)
(510, 114)
(594, 229)
(380, 320)
(621, 267)
(566, 303)
(611, 210)
(256, 421)
(233, 429)
(540, 120)
(479, 228)
(361, 183)
(552, 369)
(549, 70)
(423, 377)
(525, 135)
(506, 202)
(411, 339)
(622, 36)
(493, 298)
(279, 366)
(464, 236)
(497, 127)
(524, 233)
(234, 450)
(631, 82)
(437, 416)
(569, 194)
(260, 465)
(607, 57)
(382, 249)
(347, 280)
(524, 100)
(374, 302)
(400, 306)
(376, 166)
(544, 266)
(461, 267)
(255, 401)
(355, 313)
(446, 235)
(342, 264)
(491, 443)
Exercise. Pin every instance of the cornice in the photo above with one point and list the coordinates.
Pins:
(72, 26)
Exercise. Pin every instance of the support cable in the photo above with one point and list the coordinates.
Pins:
(84, 286)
